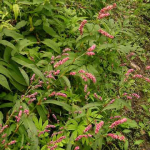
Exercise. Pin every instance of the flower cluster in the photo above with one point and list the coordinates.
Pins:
(98, 126)
(61, 62)
(57, 94)
(118, 122)
(105, 33)
(114, 136)
(81, 26)
(88, 128)
(19, 116)
(77, 148)
(2, 129)
(81, 136)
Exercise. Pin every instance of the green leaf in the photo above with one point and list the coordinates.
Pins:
(111, 106)
(49, 30)
(21, 24)
(7, 54)
(62, 104)
(138, 142)
(32, 132)
(52, 44)
(5, 72)
(13, 34)
(90, 105)
(6, 105)
(41, 112)
(67, 81)
(124, 103)
(24, 75)
(126, 144)
(1, 117)
(16, 10)
(6, 43)
(24, 43)
(31, 66)
(4, 83)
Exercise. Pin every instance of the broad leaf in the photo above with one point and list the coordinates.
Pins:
(4, 83)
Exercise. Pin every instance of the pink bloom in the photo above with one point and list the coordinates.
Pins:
(129, 71)
(105, 9)
(54, 116)
(118, 122)
(90, 76)
(114, 136)
(53, 147)
(42, 132)
(90, 53)
(66, 50)
(137, 76)
(91, 48)
(26, 111)
(100, 16)
(125, 94)
(45, 98)
(88, 93)
(33, 77)
(112, 101)
(89, 135)
(59, 56)
(95, 95)
(136, 95)
(57, 72)
(61, 62)
(88, 128)
(77, 148)
(50, 126)
(52, 94)
(147, 67)
(147, 79)
(105, 33)
(80, 137)
(72, 73)
(52, 58)
(81, 71)
(129, 97)
(85, 88)
(81, 26)
(61, 94)
(4, 135)
(60, 132)
(3, 142)
(12, 142)
(83, 77)
(98, 126)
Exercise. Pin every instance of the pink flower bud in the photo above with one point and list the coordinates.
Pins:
(98, 126)
(88, 128)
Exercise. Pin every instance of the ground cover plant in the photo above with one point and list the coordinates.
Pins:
(74, 75)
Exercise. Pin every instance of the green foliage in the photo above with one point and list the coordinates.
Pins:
(48, 96)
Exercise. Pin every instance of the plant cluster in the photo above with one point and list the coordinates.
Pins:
(67, 76)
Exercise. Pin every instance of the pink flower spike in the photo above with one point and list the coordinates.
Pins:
(91, 48)
(81, 26)
(100, 16)
(12, 142)
(72, 73)
(61, 94)
(129, 97)
(147, 67)
(33, 77)
(85, 88)
(80, 137)
(50, 126)
(81, 71)
(26, 111)
(4, 135)
(105, 9)
(90, 53)
(147, 79)
(98, 126)
(136, 95)
(114, 136)
(95, 95)
(87, 128)
(77, 148)
(117, 123)
(105, 33)
(66, 50)
(137, 76)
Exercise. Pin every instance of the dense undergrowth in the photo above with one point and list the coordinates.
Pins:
(74, 74)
